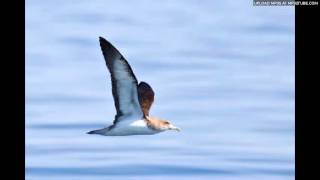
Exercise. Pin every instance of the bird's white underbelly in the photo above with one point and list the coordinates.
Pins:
(138, 127)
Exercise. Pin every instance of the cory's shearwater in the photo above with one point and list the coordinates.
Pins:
(132, 100)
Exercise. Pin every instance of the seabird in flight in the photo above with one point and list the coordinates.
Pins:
(132, 100)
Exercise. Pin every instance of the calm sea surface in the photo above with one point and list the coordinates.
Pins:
(222, 71)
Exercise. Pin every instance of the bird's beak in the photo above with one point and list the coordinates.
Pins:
(172, 127)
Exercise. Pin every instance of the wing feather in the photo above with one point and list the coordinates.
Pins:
(146, 97)
(124, 82)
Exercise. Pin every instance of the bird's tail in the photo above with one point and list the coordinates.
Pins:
(92, 132)
(98, 131)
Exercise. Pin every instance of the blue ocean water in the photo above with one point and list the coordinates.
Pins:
(222, 71)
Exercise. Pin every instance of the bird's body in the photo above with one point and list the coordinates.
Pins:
(132, 100)
(132, 127)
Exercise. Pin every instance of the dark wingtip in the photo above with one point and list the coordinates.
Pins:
(101, 38)
(107, 48)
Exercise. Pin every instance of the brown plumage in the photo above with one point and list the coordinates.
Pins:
(156, 123)
(146, 97)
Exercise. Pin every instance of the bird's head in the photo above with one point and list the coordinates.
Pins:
(161, 124)
(166, 125)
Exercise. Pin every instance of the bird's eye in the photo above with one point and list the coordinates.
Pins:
(166, 122)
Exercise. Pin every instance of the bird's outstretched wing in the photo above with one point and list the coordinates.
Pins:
(124, 83)
(146, 97)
